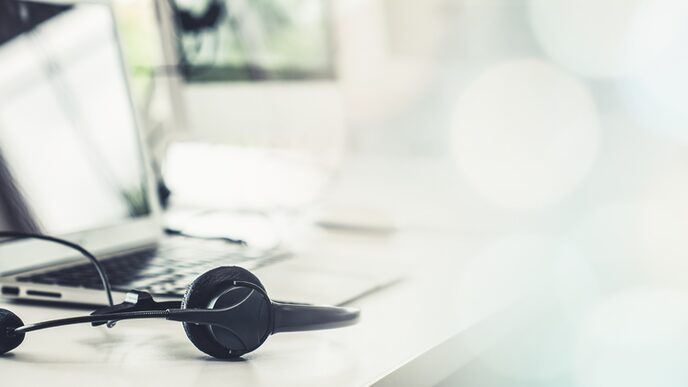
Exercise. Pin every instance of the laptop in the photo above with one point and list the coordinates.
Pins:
(73, 165)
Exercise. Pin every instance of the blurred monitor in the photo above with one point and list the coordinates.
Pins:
(257, 71)
(240, 40)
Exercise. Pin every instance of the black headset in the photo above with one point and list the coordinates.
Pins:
(226, 312)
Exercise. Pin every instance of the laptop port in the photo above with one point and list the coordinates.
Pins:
(43, 294)
(10, 291)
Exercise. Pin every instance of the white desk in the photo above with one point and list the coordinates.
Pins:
(398, 325)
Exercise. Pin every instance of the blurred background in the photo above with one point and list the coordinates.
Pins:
(551, 133)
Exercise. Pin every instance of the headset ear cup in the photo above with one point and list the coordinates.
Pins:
(199, 295)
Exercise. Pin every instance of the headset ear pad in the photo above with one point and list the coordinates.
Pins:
(199, 296)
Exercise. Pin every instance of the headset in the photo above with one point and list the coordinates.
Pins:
(226, 312)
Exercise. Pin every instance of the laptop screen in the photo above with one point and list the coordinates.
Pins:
(69, 149)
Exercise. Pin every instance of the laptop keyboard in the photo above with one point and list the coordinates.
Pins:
(166, 270)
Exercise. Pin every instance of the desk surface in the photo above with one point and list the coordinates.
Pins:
(398, 324)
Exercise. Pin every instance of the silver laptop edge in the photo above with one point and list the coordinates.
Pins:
(132, 234)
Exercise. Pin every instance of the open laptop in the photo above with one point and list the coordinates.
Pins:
(73, 165)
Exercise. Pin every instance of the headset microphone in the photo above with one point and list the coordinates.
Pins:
(226, 313)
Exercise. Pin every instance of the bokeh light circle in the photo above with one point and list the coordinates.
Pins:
(589, 37)
(525, 134)
(639, 42)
